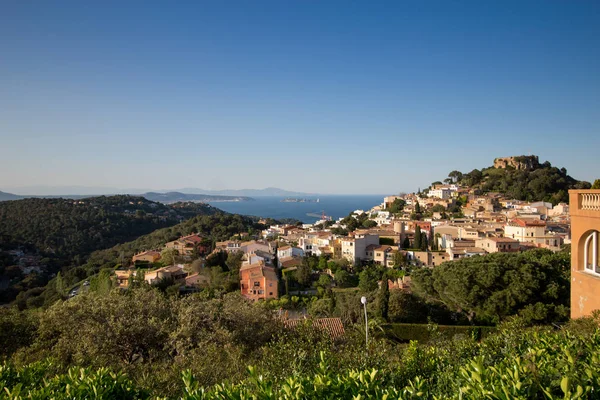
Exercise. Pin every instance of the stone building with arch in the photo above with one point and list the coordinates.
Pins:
(584, 208)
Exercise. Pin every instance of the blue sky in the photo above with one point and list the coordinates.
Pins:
(316, 96)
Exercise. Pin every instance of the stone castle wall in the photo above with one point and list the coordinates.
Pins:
(517, 162)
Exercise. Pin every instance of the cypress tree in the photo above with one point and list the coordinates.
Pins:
(417, 241)
(383, 298)
(423, 241)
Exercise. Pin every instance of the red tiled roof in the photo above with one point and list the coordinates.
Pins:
(192, 238)
(528, 222)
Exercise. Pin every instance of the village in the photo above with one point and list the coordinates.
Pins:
(443, 223)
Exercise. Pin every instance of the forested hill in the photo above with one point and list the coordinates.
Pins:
(522, 178)
(67, 231)
(215, 227)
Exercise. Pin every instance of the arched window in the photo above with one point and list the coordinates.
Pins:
(590, 253)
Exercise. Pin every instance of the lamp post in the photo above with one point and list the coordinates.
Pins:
(363, 300)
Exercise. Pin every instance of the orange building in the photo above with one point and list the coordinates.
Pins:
(258, 281)
(585, 236)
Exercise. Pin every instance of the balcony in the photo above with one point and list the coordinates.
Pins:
(585, 203)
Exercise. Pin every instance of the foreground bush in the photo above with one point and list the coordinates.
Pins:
(31, 382)
(514, 363)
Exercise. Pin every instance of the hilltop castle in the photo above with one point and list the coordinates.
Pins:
(517, 162)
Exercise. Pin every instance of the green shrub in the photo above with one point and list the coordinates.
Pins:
(425, 333)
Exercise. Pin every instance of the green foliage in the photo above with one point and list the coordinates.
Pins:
(71, 350)
(368, 278)
(369, 224)
(324, 281)
(397, 206)
(168, 256)
(35, 381)
(383, 299)
(490, 288)
(67, 232)
(426, 332)
(596, 184)
(343, 278)
(17, 330)
(541, 183)
(303, 273)
(417, 244)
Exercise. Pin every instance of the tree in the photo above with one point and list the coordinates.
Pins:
(102, 283)
(434, 243)
(406, 243)
(596, 184)
(417, 208)
(424, 241)
(397, 206)
(196, 266)
(368, 279)
(168, 256)
(418, 238)
(438, 208)
(234, 261)
(383, 298)
(324, 281)
(456, 176)
(303, 273)
(490, 288)
(59, 284)
(399, 260)
(343, 278)
(369, 224)
(322, 266)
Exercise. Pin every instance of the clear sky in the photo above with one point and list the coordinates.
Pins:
(316, 96)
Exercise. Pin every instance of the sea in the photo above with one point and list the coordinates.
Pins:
(335, 206)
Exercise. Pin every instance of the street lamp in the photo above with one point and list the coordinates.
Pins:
(363, 300)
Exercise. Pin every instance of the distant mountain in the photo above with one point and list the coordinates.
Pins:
(77, 192)
(270, 191)
(172, 197)
(9, 196)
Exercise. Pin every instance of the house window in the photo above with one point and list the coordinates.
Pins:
(590, 253)
(270, 293)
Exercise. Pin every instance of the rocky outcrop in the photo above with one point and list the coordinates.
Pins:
(518, 162)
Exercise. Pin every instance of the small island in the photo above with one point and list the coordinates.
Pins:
(299, 200)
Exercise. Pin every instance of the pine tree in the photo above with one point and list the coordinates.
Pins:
(418, 237)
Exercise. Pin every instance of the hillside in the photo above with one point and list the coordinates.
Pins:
(522, 178)
(57, 234)
(215, 227)
(9, 196)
